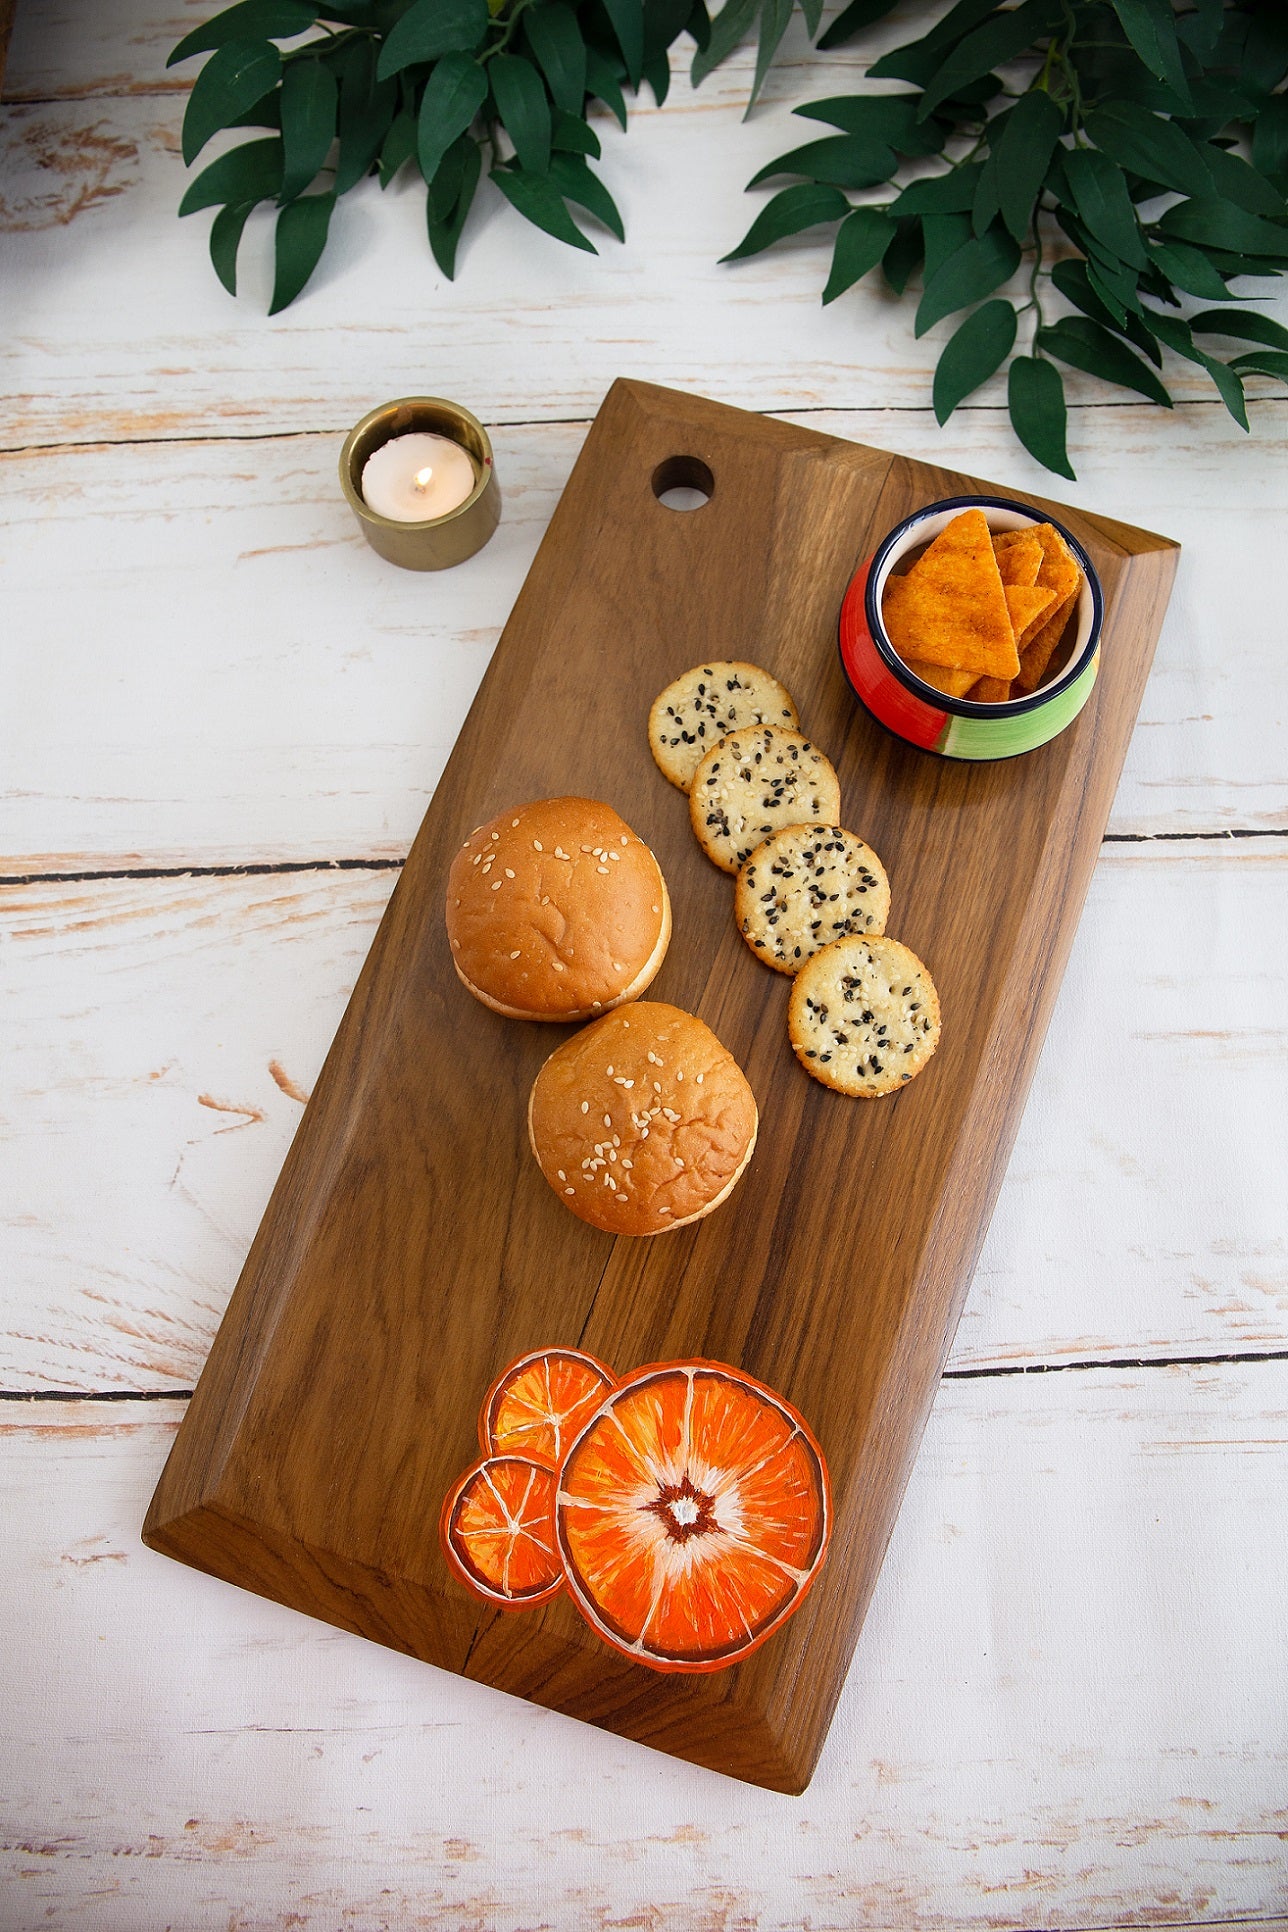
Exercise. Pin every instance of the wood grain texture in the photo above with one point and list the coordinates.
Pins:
(338, 1401)
(1056, 1717)
(1141, 1217)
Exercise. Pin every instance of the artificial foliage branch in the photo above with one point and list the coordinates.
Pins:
(1126, 159)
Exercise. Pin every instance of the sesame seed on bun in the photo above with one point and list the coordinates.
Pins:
(642, 1122)
(557, 911)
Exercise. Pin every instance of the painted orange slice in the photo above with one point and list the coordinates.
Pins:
(497, 1532)
(693, 1514)
(537, 1405)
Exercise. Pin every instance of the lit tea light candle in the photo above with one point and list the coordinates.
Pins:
(417, 477)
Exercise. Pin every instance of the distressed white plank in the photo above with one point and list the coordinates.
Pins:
(158, 1027)
(1061, 1711)
(121, 330)
(205, 663)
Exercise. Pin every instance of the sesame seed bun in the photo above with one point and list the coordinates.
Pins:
(643, 1122)
(557, 911)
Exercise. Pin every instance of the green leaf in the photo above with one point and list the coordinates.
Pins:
(1085, 345)
(252, 172)
(540, 202)
(918, 59)
(1023, 155)
(790, 211)
(576, 183)
(398, 147)
(366, 112)
(904, 254)
(1071, 278)
(267, 112)
(430, 29)
(1035, 395)
(1176, 334)
(942, 194)
(1265, 51)
(1147, 145)
(699, 24)
(225, 239)
(973, 353)
(524, 109)
(1262, 362)
(1270, 136)
(555, 38)
(1242, 184)
(444, 236)
(774, 18)
(861, 242)
(301, 236)
(1201, 29)
(978, 267)
(1189, 269)
(730, 26)
(1212, 222)
(454, 93)
(944, 235)
(987, 205)
(853, 19)
(888, 119)
(310, 98)
(444, 191)
(249, 20)
(627, 17)
(657, 73)
(1100, 195)
(602, 82)
(997, 41)
(845, 160)
(1150, 25)
(1241, 325)
(813, 12)
(236, 76)
(573, 135)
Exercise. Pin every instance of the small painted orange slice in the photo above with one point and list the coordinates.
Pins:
(498, 1533)
(537, 1405)
(693, 1514)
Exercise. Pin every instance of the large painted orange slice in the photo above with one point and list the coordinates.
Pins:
(498, 1532)
(537, 1405)
(693, 1513)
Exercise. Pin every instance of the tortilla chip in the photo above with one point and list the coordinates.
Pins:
(1042, 647)
(954, 684)
(1027, 606)
(1059, 573)
(950, 609)
(990, 691)
(1020, 559)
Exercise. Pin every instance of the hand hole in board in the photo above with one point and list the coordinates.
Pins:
(683, 483)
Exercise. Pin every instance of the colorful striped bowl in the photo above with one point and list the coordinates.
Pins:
(954, 727)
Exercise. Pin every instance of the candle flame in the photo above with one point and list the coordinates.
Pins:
(423, 478)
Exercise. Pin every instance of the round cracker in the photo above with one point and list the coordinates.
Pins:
(805, 887)
(754, 783)
(863, 1016)
(704, 705)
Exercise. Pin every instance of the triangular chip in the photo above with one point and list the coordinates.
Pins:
(1042, 647)
(1027, 606)
(954, 684)
(990, 691)
(1059, 572)
(950, 608)
(1020, 559)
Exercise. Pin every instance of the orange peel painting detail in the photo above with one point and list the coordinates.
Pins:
(685, 1508)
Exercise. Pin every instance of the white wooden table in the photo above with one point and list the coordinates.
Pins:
(221, 718)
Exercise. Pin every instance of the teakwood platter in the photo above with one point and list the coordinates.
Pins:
(411, 1247)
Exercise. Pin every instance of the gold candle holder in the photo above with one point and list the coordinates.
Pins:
(442, 541)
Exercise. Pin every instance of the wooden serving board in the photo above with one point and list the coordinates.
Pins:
(411, 1247)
